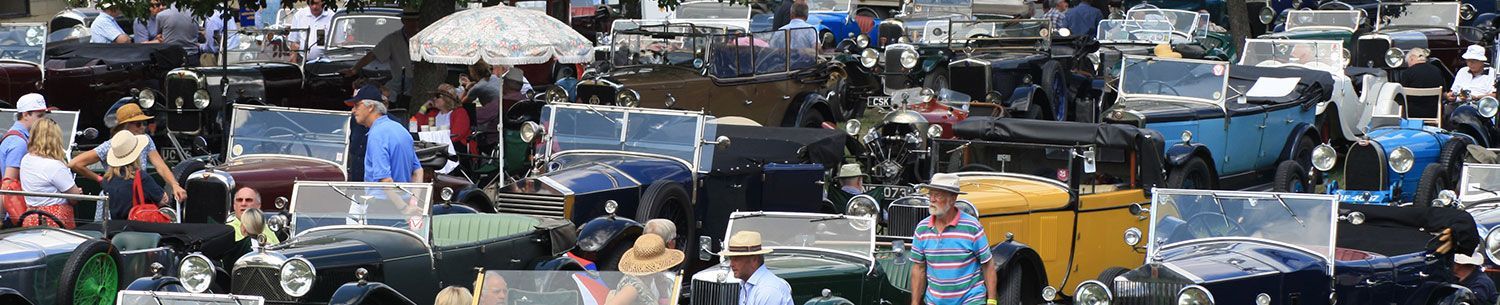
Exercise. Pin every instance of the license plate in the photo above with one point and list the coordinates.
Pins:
(879, 101)
(891, 192)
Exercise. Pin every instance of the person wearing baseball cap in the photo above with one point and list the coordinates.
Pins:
(358, 133)
(747, 261)
(956, 242)
(1474, 78)
(30, 108)
(1467, 268)
(130, 117)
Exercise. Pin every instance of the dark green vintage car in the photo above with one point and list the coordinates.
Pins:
(1323, 24)
(827, 259)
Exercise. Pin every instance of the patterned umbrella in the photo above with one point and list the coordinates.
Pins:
(500, 35)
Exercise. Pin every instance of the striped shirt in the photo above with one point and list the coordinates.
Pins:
(954, 256)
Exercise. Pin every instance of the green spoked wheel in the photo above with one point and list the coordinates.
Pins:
(91, 275)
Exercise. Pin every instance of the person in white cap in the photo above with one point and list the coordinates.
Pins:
(1467, 269)
(747, 262)
(1474, 77)
(29, 109)
(951, 261)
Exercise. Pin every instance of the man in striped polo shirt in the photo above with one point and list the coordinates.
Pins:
(949, 252)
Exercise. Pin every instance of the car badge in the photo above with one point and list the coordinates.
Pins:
(179, 102)
(237, 149)
(380, 21)
(594, 100)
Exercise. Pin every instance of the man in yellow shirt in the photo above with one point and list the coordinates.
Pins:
(248, 199)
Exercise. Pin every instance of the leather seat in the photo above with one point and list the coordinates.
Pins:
(463, 229)
(132, 241)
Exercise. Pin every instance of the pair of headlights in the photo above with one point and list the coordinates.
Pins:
(1400, 160)
(870, 57)
(196, 273)
(1096, 293)
(148, 99)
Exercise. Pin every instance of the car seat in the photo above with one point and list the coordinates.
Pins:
(133, 241)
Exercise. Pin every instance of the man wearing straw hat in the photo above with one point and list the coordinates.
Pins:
(949, 251)
(851, 183)
(760, 287)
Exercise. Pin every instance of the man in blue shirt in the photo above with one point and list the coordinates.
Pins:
(747, 262)
(1083, 20)
(30, 108)
(389, 154)
(105, 29)
(357, 131)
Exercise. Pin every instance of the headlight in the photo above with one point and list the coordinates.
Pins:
(926, 95)
(1401, 160)
(1267, 15)
(862, 206)
(628, 98)
(1323, 157)
(146, 98)
(1186, 136)
(1394, 58)
(1492, 245)
(556, 95)
(908, 59)
(1487, 106)
(966, 207)
(870, 137)
(1132, 236)
(869, 57)
(862, 41)
(200, 99)
(1092, 293)
(934, 131)
(196, 273)
(529, 131)
(1194, 295)
(276, 223)
(852, 127)
(297, 276)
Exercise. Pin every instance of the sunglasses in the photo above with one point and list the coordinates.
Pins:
(243, 200)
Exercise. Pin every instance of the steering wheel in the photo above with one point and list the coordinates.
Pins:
(1160, 87)
(973, 40)
(285, 147)
(1210, 224)
(41, 214)
(1335, 5)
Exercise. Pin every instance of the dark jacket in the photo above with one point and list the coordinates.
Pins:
(122, 192)
(1423, 76)
(783, 14)
(1482, 286)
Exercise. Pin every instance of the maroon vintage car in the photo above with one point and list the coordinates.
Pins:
(896, 148)
(1402, 26)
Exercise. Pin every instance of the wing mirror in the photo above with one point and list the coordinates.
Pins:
(1139, 211)
(705, 248)
(88, 133)
(720, 142)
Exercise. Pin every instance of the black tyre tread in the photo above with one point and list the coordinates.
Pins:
(1452, 156)
(1108, 275)
(1011, 290)
(74, 264)
(930, 82)
(812, 119)
(1434, 180)
(609, 257)
(1051, 71)
(1303, 154)
(1288, 172)
(1178, 175)
(655, 198)
(185, 168)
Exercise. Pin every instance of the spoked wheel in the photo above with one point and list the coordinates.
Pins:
(851, 108)
(91, 275)
(668, 200)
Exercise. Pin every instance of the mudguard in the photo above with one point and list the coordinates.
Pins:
(565, 262)
(475, 198)
(1467, 117)
(1021, 97)
(828, 300)
(156, 283)
(356, 292)
(809, 102)
(604, 232)
(1013, 253)
(11, 296)
(1295, 138)
(1180, 153)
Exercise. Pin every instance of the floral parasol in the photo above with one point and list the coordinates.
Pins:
(500, 35)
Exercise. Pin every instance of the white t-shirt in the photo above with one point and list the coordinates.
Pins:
(304, 19)
(42, 175)
(1477, 85)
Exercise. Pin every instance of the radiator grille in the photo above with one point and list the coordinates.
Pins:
(605, 94)
(1145, 293)
(970, 79)
(713, 293)
(1371, 53)
(1364, 167)
(258, 281)
(530, 204)
(181, 89)
(903, 219)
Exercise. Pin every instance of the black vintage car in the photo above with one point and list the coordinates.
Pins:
(385, 232)
(1025, 65)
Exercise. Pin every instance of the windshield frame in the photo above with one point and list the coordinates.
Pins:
(230, 135)
(175, 298)
(334, 28)
(1100, 31)
(70, 136)
(1192, 33)
(697, 37)
(417, 188)
(1359, 19)
(1381, 24)
(868, 256)
(255, 37)
(697, 164)
(1463, 183)
(723, 5)
(1129, 97)
(1153, 250)
(40, 48)
(1040, 43)
(1246, 50)
(848, 7)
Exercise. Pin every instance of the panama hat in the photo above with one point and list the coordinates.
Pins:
(1475, 52)
(943, 182)
(649, 255)
(125, 148)
(850, 171)
(744, 243)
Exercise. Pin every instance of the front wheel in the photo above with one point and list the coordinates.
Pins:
(1291, 177)
(1434, 180)
(1010, 290)
(812, 119)
(1191, 175)
(91, 276)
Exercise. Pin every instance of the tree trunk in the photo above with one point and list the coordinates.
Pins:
(1239, 22)
(427, 75)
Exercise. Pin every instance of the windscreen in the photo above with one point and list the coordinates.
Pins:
(362, 31)
(1480, 184)
(712, 10)
(1349, 20)
(66, 120)
(1305, 221)
(400, 206)
(1325, 55)
(131, 297)
(316, 134)
(23, 42)
(1134, 31)
(1203, 80)
(1184, 23)
(600, 128)
(850, 235)
(1425, 14)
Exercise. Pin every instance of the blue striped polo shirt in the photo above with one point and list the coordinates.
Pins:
(954, 257)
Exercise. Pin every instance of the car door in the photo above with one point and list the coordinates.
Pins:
(758, 94)
(1243, 126)
(1281, 121)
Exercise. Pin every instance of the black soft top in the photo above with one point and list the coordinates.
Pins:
(1148, 144)
(213, 239)
(752, 146)
(162, 56)
(1394, 231)
(1312, 85)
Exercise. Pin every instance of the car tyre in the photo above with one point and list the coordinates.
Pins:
(185, 168)
(1303, 154)
(811, 119)
(1434, 180)
(1108, 276)
(1193, 174)
(1010, 292)
(91, 274)
(937, 81)
(1055, 84)
(851, 108)
(1291, 177)
(1452, 156)
(669, 200)
(609, 257)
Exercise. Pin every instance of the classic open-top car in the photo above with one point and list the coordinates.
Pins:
(652, 163)
(380, 232)
(1324, 24)
(768, 77)
(1355, 93)
(1212, 247)
(1477, 194)
(1140, 32)
(827, 259)
(1015, 63)
(82, 77)
(1233, 123)
(1401, 26)
(1262, 12)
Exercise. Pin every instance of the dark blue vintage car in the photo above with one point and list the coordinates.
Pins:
(1233, 124)
(1211, 247)
(1478, 192)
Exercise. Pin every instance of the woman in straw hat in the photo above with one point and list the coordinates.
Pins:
(443, 111)
(642, 265)
(129, 117)
(123, 180)
(43, 171)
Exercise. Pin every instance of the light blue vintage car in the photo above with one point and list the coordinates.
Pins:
(1232, 124)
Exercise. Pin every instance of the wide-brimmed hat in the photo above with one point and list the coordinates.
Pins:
(447, 94)
(943, 182)
(125, 148)
(130, 113)
(1475, 52)
(649, 255)
(1468, 259)
(744, 243)
(850, 171)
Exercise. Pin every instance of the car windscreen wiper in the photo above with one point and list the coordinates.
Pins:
(1289, 210)
(601, 114)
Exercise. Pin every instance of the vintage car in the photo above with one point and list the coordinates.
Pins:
(1402, 26)
(676, 165)
(827, 259)
(1474, 117)
(566, 287)
(1233, 128)
(80, 77)
(701, 12)
(385, 232)
(1140, 32)
(1476, 193)
(697, 68)
(895, 149)
(1211, 247)
(1262, 12)
(885, 63)
(1331, 22)
(1017, 64)
(1356, 92)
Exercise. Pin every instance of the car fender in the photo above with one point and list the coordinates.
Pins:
(1021, 97)
(1011, 253)
(153, 283)
(355, 293)
(603, 232)
(1467, 117)
(11, 296)
(1178, 154)
(828, 300)
(810, 101)
(1295, 138)
(475, 198)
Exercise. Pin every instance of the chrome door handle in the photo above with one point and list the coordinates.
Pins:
(747, 102)
(786, 97)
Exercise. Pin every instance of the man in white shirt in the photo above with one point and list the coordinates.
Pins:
(1474, 78)
(212, 28)
(105, 29)
(316, 21)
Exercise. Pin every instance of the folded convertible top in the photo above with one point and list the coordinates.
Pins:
(1052, 132)
(163, 56)
(752, 146)
(1312, 85)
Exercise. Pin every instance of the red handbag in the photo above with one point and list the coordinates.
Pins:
(140, 210)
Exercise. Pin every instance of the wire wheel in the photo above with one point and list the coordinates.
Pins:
(98, 281)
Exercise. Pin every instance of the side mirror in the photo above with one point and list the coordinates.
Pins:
(1139, 211)
(720, 142)
(88, 133)
(705, 248)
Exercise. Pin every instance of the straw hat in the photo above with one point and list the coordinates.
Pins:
(744, 243)
(943, 182)
(125, 148)
(649, 255)
(850, 170)
(130, 113)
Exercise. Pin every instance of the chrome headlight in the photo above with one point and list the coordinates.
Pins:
(1394, 57)
(146, 98)
(934, 131)
(628, 98)
(1400, 160)
(1492, 245)
(556, 95)
(926, 95)
(1323, 157)
(852, 127)
(862, 206)
(1267, 15)
(862, 41)
(1487, 106)
(529, 131)
(908, 59)
(869, 57)
(1092, 293)
(1187, 136)
(200, 99)
(1194, 295)
(297, 276)
(1132, 236)
(966, 207)
(276, 223)
(196, 273)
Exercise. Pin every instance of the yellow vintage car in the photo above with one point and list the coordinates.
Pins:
(1062, 202)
